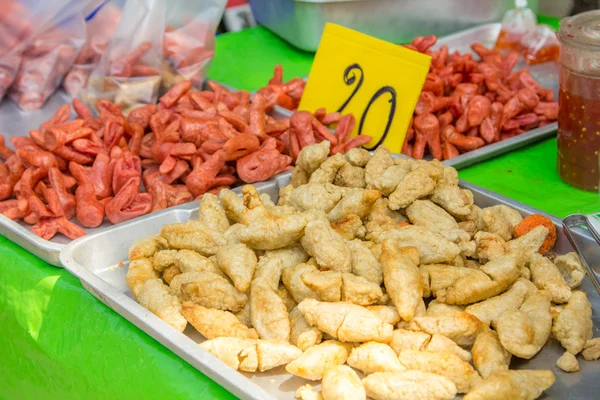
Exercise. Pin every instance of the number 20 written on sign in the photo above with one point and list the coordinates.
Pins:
(350, 79)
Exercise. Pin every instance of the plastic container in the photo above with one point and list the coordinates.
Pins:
(579, 101)
(516, 23)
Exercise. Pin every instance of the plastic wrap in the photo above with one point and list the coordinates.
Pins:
(56, 33)
(156, 42)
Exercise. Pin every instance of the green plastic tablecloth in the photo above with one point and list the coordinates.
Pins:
(57, 341)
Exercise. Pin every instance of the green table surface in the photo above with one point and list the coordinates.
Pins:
(60, 342)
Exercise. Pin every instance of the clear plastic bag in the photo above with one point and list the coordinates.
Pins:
(102, 19)
(189, 40)
(14, 29)
(157, 43)
(56, 33)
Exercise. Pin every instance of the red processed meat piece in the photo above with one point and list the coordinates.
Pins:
(428, 126)
(262, 165)
(170, 98)
(66, 199)
(301, 128)
(47, 228)
(125, 167)
(89, 211)
(465, 143)
(128, 203)
(478, 109)
(202, 178)
(100, 174)
(241, 145)
(5, 152)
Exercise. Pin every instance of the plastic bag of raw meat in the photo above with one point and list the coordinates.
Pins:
(56, 33)
(15, 27)
(189, 40)
(129, 71)
(157, 42)
(102, 19)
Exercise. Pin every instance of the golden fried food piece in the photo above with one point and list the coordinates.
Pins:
(287, 298)
(446, 364)
(328, 169)
(350, 176)
(491, 221)
(461, 327)
(271, 232)
(238, 262)
(327, 246)
(513, 384)
(268, 313)
(193, 235)
(231, 234)
(306, 392)
(571, 269)
(270, 269)
(489, 246)
(299, 177)
(379, 162)
(508, 213)
(233, 205)
(416, 184)
(327, 285)
(354, 201)
(311, 157)
(163, 259)
(157, 298)
(190, 261)
(244, 315)
(403, 339)
(435, 277)
(573, 326)
(372, 357)
(428, 215)
(568, 362)
(525, 331)
(140, 271)
(215, 323)
(449, 176)
(340, 382)
(488, 354)
(591, 349)
(441, 344)
(358, 290)
(469, 226)
(346, 322)
(489, 310)
(529, 243)
(302, 334)
(402, 278)
(251, 355)
(169, 273)
(350, 227)
(388, 181)
(364, 262)
(546, 276)
(146, 247)
(436, 308)
(358, 157)
(453, 199)
(208, 290)
(497, 275)
(292, 279)
(212, 214)
(408, 385)
(381, 218)
(315, 196)
(317, 359)
(433, 247)
(387, 313)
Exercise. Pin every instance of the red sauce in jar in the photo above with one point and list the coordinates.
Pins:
(579, 130)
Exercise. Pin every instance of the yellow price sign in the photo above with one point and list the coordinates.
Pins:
(377, 81)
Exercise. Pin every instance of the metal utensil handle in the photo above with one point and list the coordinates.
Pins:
(577, 220)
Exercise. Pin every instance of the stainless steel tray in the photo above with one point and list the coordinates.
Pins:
(15, 122)
(301, 22)
(100, 261)
(546, 74)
